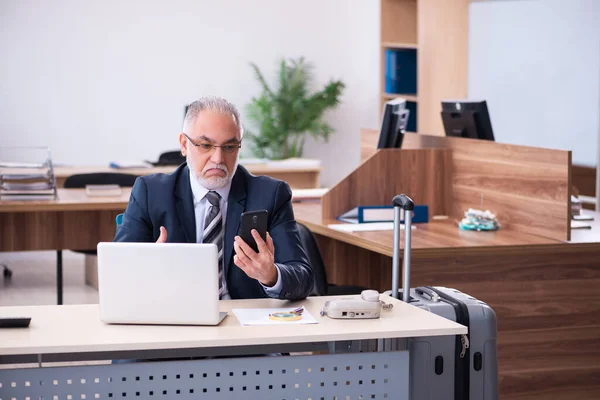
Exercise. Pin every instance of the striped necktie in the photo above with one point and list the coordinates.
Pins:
(213, 232)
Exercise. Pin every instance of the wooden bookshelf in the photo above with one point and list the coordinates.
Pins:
(438, 32)
(399, 45)
(408, 97)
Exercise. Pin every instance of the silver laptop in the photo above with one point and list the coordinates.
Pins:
(158, 283)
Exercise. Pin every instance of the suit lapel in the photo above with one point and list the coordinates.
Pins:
(185, 205)
(236, 205)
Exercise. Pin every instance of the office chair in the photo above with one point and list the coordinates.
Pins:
(169, 158)
(79, 181)
(322, 288)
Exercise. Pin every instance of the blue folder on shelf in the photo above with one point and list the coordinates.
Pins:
(401, 71)
(362, 214)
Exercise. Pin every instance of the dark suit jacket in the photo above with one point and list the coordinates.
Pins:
(166, 200)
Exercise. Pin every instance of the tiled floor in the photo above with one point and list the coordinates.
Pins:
(34, 279)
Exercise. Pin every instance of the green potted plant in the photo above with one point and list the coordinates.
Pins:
(286, 114)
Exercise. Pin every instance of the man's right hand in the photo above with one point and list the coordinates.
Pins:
(163, 235)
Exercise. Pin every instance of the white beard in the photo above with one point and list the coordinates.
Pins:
(214, 182)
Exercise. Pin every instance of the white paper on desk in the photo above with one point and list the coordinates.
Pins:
(260, 316)
(365, 227)
(103, 190)
(308, 194)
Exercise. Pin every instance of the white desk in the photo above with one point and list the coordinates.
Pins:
(62, 333)
(587, 235)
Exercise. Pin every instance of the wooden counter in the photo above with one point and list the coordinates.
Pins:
(544, 292)
(437, 237)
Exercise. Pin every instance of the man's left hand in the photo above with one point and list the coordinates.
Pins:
(259, 266)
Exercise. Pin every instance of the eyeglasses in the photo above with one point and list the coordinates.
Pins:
(208, 147)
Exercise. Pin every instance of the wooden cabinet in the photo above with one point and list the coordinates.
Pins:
(437, 31)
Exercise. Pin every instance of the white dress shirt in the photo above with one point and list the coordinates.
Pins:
(201, 207)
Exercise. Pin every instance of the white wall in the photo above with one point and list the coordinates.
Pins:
(537, 63)
(107, 80)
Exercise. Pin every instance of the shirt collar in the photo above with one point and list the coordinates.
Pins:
(199, 191)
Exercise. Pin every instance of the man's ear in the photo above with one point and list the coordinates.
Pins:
(183, 144)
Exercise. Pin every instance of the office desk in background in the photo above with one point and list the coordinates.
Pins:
(304, 174)
(540, 276)
(350, 366)
(75, 221)
(544, 292)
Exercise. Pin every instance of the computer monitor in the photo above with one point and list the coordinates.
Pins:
(393, 124)
(467, 119)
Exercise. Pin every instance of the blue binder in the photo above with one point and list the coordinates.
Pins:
(362, 214)
(401, 71)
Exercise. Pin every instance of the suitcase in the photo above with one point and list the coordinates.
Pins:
(463, 367)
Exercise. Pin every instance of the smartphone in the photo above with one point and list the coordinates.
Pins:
(254, 220)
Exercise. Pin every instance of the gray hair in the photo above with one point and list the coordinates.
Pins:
(211, 103)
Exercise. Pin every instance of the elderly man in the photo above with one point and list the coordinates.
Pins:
(203, 199)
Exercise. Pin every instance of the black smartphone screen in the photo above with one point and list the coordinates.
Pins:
(254, 220)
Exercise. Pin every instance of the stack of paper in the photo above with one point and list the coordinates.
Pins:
(26, 180)
(103, 190)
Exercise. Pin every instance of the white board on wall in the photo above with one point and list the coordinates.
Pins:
(537, 63)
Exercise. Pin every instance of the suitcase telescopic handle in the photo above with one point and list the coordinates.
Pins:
(405, 203)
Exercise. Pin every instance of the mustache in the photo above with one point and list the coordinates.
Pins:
(222, 167)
